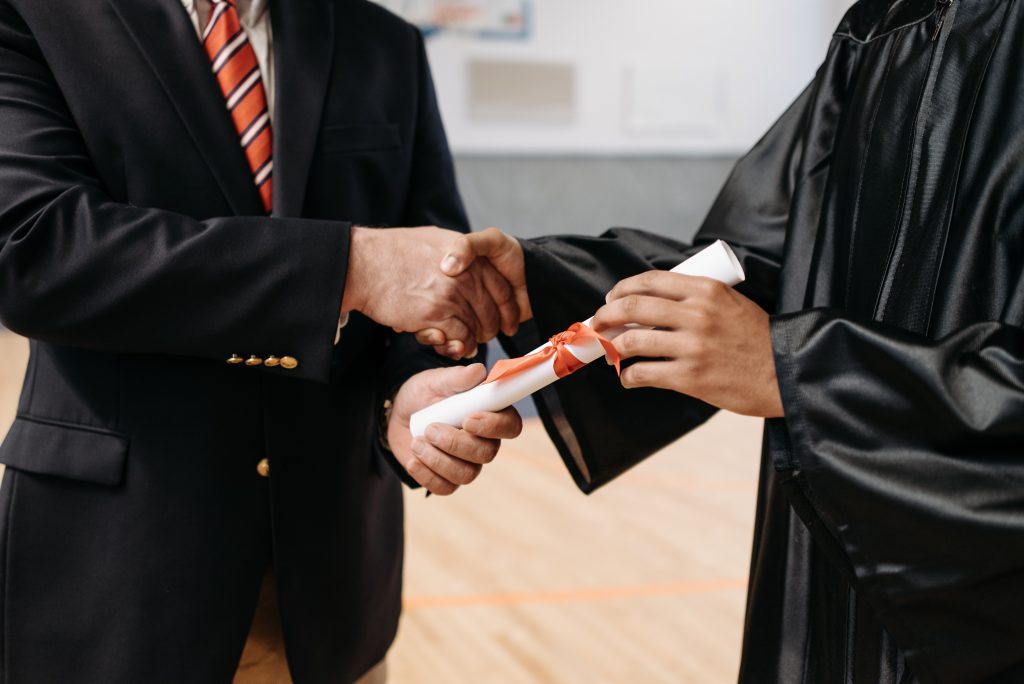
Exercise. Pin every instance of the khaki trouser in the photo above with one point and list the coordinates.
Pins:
(263, 660)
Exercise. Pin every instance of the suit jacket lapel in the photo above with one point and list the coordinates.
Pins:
(165, 35)
(303, 50)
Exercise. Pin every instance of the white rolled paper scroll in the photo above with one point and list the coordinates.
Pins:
(717, 262)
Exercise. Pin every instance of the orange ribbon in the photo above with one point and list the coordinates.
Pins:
(565, 362)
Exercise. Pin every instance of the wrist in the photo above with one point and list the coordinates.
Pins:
(774, 407)
(396, 423)
(359, 259)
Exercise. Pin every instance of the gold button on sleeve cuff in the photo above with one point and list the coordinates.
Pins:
(289, 362)
(263, 468)
(254, 361)
(235, 360)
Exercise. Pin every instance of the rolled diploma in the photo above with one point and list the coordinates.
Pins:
(717, 261)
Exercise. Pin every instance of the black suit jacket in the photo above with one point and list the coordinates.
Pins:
(133, 524)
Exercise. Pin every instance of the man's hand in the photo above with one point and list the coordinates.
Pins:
(393, 278)
(712, 343)
(446, 457)
(497, 250)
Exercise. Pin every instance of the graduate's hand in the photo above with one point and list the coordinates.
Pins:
(446, 457)
(712, 343)
(505, 255)
(393, 279)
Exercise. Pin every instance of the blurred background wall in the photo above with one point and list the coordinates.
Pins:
(596, 113)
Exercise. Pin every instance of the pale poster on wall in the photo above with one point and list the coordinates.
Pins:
(488, 19)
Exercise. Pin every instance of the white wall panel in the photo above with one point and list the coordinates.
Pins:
(650, 77)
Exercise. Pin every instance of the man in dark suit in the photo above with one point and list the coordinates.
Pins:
(208, 399)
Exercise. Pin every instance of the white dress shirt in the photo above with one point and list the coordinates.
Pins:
(255, 18)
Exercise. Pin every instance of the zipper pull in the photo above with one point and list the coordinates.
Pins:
(941, 7)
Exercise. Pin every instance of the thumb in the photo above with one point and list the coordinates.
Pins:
(457, 379)
(467, 248)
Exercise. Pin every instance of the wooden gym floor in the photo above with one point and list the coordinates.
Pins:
(521, 579)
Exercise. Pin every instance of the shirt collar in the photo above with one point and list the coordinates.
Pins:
(249, 11)
(253, 9)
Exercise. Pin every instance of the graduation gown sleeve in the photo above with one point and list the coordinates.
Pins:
(600, 429)
(907, 457)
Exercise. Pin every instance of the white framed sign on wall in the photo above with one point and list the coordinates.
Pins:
(487, 19)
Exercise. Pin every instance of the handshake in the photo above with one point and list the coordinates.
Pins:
(696, 336)
(454, 291)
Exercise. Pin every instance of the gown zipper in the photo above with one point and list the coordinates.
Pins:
(882, 301)
(941, 8)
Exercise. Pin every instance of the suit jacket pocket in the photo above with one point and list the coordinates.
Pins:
(360, 137)
(64, 450)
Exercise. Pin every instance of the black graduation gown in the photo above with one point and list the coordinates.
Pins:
(881, 221)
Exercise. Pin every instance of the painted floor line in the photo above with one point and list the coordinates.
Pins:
(574, 595)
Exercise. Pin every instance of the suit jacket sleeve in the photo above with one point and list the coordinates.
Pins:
(600, 429)
(79, 269)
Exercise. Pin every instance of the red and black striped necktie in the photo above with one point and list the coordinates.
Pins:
(238, 73)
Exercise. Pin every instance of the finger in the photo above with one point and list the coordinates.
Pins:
(523, 301)
(656, 374)
(651, 344)
(460, 338)
(431, 337)
(485, 309)
(462, 445)
(427, 478)
(503, 296)
(455, 351)
(448, 468)
(448, 381)
(507, 424)
(468, 306)
(666, 285)
(504, 253)
(449, 313)
(652, 312)
(467, 248)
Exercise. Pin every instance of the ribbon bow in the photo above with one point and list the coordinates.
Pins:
(565, 362)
